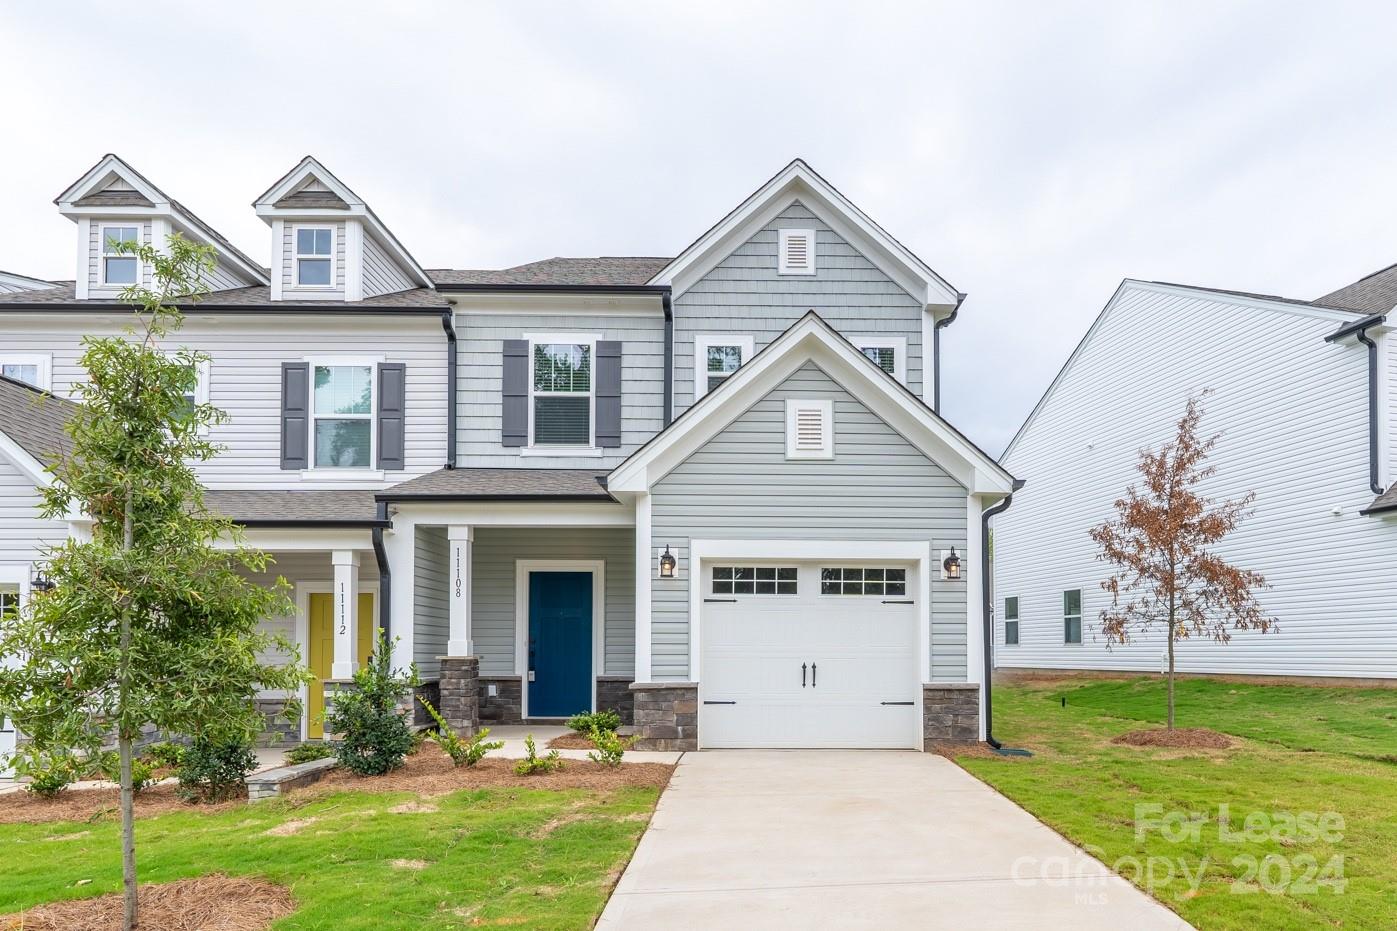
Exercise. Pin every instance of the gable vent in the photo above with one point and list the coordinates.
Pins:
(809, 432)
(797, 252)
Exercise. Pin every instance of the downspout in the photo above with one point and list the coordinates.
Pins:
(1366, 340)
(936, 351)
(667, 302)
(449, 326)
(986, 617)
(385, 576)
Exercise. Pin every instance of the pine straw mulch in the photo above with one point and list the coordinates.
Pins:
(571, 741)
(429, 772)
(1189, 738)
(24, 807)
(209, 903)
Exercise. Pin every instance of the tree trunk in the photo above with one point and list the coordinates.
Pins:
(124, 740)
(1171, 668)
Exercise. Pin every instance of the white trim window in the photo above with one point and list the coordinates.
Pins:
(716, 358)
(796, 252)
(809, 429)
(864, 580)
(342, 414)
(119, 269)
(889, 353)
(562, 398)
(314, 256)
(755, 580)
(1011, 621)
(33, 368)
(1072, 616)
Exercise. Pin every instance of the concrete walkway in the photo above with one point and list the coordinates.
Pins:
(859, 839)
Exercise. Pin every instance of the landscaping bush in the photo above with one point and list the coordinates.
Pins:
(48, 773)
(108, 766)
(535, 765)
(213, 770)
(307, 752)
(375, 734)
(610, 747)
(470, 750)
(588, 721)
(166, 753)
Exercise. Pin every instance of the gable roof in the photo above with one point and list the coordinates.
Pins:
(311, 189)
(1375, 293)
(594, 271)
(32, 426)
(112, 183)
(9, 281)
(798, 181)
(812, 339)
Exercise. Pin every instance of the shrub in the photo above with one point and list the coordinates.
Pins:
(588, 721)
(375, 735)
(109, 767)
(610, 747)
(48, 773)
(535, 765)
(470, 750)
(307, 752)
(166, 753)
(214, 770)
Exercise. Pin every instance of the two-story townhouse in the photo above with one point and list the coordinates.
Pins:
(711, 491)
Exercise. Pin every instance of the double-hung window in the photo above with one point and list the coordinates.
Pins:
(34, 369)
(1072, 616)
(315, 257)
(119, 268)
(342, 410)
(561, 403)
(889, 353)
(1011, 622)
(716, 358)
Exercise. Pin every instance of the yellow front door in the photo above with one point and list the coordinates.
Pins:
(321, 652)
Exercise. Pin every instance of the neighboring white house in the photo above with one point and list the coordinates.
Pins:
(711, 491)
(1290, 398)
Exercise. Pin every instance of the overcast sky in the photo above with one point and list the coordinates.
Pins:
(1032, 153)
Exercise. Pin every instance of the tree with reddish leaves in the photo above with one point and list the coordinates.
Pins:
(1160, 541)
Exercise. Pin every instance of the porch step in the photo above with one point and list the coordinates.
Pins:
(273, 782)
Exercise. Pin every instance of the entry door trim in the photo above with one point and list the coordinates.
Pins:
(304, 589)
(522, 568)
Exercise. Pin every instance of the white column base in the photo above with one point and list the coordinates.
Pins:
(346, 597)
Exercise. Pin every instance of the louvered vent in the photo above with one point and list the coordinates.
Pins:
(809, 433)
(810, 429)
(797, 252)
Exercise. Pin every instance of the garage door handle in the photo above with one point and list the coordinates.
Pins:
(802, 675)
(897, 703)
(889, 601)
(733, 703)
(720, 599)
(813, 683)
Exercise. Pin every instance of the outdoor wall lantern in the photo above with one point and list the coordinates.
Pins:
(951, 565)
(38, 582)
(667, 563)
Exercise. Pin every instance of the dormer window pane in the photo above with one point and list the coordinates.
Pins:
(119, 268)
(314, 257)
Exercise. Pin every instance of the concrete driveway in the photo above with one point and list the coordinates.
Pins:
(859, 839)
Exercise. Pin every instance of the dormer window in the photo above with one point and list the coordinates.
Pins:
(119, 268)
(315, 250)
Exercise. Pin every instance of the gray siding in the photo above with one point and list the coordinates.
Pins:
(24, 535)
(493, 586)
(740, 485)
(431, 623)
(481, 350)
(381, 274)
(288, 257)
(744, 295)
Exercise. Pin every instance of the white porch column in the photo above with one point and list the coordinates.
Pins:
(346, 597)
(644, 573)
(459, 539)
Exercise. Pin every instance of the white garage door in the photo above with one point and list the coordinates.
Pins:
(797, 654)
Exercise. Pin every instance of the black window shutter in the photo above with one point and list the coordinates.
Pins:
(295, 414)
(514, 391)
(392, 406)
(608, 375)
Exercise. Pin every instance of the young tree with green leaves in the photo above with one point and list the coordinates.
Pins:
(153, 620)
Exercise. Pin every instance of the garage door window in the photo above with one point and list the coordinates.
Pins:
(868, 581)
(754, 580)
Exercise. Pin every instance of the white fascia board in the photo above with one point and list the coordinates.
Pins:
(797, 181)
(24, 282)
(31, 467)
(556, 304)
(110, 164)
(811, 340)
(542, 513)
(273, 540)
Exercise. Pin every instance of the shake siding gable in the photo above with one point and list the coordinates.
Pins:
(1292, 413)
(740, 485)
(744, 294)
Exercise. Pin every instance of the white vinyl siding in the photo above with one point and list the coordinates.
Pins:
(1292, 411)
(381, 274)
(24, 536)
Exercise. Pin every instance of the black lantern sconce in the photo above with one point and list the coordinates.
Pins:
(951, 566)
(38, 582)
(667, 563)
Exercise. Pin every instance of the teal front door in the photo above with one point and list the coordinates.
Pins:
(560, 644)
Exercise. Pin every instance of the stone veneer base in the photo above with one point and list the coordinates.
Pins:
(666, 715)
(950, 713)
(614, 694)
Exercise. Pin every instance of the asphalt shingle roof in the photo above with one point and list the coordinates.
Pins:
(503, 484)
(34, 419)
(347, 506)
(604, 270)
(252, 296)
(1371, 294)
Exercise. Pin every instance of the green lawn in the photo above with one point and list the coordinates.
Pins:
(510, 857)
(1301, 750)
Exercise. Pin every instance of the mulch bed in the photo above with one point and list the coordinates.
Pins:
(429, 772)
(572, 741)
(1190, 738)
(209, 903)
(24, 807)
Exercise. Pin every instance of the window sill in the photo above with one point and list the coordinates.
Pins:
(324, 475)
(562, 452)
